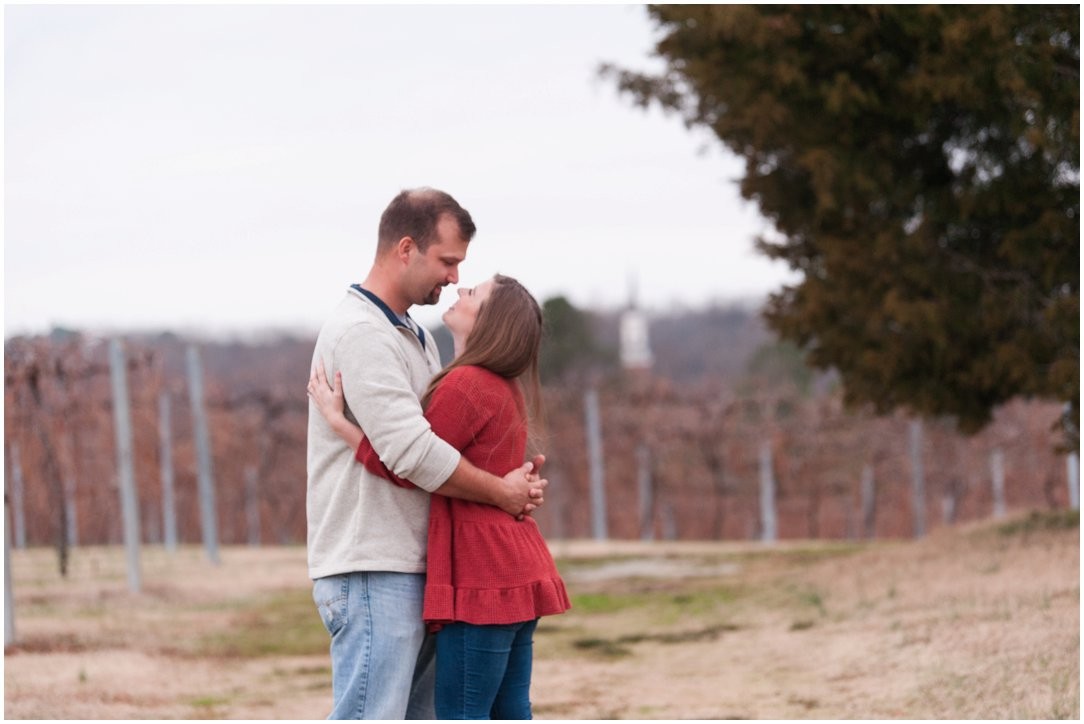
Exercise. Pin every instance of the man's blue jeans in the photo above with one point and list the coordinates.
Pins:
(484, 672)
(382, 660)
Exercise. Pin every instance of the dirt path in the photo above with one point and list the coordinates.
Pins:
(979, 622)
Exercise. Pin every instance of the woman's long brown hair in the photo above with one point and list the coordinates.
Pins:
(505, 340)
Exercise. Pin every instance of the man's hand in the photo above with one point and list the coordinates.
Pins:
(517, 493)
(523, 488)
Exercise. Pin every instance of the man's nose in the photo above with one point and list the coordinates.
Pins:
(453, 278)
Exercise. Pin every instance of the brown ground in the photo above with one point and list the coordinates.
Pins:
(976, 622)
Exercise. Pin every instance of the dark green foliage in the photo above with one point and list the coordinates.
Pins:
(781, 363)
(921, 165)
(1041, 520)
(568, 342)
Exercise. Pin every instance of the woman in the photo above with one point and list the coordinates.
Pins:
(489, 576)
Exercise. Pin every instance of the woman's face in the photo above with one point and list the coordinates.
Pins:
(461, 316)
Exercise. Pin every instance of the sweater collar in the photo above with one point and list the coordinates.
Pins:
(392, 316)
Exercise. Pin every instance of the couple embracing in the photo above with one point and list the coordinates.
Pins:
(428, 571)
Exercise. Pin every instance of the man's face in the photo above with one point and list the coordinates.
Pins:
(429, 273)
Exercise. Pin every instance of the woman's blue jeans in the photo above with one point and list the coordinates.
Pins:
(484, 672)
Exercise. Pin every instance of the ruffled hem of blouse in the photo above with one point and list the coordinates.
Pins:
(445, 604)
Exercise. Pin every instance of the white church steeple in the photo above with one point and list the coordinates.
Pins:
(635, 346)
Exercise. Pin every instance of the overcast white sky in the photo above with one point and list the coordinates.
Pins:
(223, 168)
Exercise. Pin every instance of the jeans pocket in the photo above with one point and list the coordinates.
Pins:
(330, 595)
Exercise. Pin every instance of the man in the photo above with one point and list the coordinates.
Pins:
(367, 537)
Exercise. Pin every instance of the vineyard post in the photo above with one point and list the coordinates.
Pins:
(69, 503)
(1073, 466)
(997, 478)
(918, 480)
(71, 470)
(644, 487)
(252, 504)
(71, 493)
(595, 460)
(203, 454)
(165, 455)
(125, 471)
(869, 501)
(768, 524)
(17, 499)
(9, 595)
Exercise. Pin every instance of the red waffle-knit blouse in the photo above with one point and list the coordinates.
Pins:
(483, 565)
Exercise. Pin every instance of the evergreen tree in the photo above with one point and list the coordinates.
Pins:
(568, 343)
(921, 165)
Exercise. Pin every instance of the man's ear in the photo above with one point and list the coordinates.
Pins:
(404, 247)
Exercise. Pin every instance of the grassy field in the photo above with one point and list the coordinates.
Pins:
(973, 622)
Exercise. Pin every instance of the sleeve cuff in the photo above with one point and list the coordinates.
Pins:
(438, 466)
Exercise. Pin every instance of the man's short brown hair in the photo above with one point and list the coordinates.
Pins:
(415, 213)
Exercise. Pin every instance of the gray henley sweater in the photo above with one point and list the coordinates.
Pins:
(358, 521)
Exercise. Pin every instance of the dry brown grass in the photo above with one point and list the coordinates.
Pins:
(974, 622)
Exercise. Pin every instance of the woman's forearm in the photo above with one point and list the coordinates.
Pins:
(348, 431)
